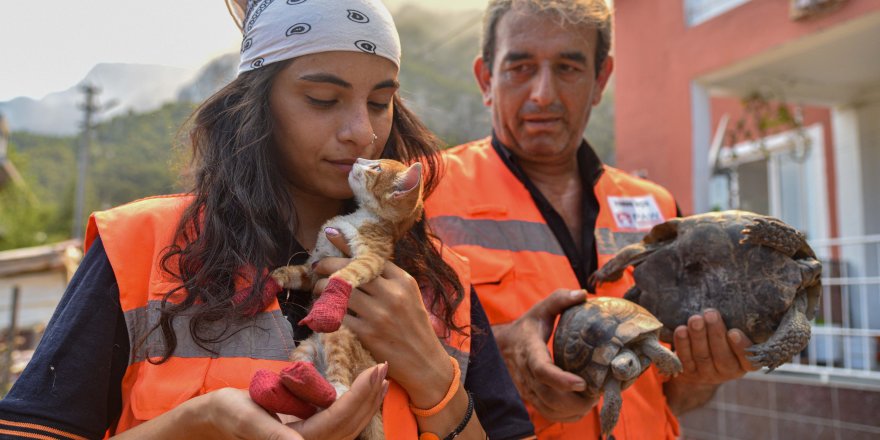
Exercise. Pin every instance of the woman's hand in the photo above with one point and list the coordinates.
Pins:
(349, 415)
(394, 326)
(229, 413)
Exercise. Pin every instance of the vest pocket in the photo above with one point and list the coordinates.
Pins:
(490, 266)
(493, 277)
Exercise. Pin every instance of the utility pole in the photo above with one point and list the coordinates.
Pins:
(90, 108)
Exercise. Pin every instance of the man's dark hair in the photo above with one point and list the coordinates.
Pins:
(593, 13)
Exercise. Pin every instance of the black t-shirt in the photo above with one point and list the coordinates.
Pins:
(72, 386)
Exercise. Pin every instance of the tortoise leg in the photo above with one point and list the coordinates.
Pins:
(775, 234)
(611, 408)
(790, 338)
(667, 362)
(633, 294)
(629, 255)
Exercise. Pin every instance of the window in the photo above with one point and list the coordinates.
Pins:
(698, 11)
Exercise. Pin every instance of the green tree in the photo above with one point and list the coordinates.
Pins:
(133, 157)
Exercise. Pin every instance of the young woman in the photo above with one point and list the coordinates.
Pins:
(169, 315)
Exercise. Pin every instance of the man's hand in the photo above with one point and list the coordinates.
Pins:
(710, 355)
(555, 393)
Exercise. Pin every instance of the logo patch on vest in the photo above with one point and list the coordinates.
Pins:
(635, 212)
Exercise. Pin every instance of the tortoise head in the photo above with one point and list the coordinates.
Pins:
(626, 365)
(811, 269)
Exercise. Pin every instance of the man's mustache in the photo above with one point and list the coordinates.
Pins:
(532, 109)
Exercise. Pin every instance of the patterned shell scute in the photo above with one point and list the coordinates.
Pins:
(708, 262)
(590, 335)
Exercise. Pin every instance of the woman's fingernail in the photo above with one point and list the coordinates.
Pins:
(697, 324)
(385, 389)
(384, 369)
(579, 386)
(332, 232)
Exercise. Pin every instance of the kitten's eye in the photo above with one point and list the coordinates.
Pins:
(377, 168)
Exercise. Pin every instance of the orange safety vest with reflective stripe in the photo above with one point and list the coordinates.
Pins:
(485, 213)
(135, 236)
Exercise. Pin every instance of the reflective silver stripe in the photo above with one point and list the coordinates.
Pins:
(609, 242)
(267, 335)
(512, 235)
(462, 358)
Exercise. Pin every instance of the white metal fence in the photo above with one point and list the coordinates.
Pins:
(846, 332)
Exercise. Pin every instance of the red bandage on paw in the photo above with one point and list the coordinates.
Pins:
(304, 381)
(267, 391)
(329, 309)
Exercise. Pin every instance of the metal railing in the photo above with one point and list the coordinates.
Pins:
(845, 345)
(698, 11)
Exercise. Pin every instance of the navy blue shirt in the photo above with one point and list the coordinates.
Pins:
(72, 385)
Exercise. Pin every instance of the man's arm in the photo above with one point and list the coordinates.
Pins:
(710, 355)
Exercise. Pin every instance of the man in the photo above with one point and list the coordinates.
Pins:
(536, 212)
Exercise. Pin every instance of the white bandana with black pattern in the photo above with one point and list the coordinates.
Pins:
(278, 30)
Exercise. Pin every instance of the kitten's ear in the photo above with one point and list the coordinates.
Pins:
(410, 180)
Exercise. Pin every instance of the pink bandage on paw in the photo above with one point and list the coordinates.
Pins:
(304, 381)
(329, 309)
(268, 391)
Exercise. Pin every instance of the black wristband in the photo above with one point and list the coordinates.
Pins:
(464, 422)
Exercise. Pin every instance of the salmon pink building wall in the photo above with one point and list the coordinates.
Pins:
(657, 56)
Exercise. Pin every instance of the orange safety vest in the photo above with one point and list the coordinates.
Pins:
(485, 213)
(135, 236)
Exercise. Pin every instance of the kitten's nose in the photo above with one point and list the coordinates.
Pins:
(364, 162)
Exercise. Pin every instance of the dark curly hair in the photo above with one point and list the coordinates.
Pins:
(241, 221)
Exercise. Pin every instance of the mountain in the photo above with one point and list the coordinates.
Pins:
(130, 87)
(211, 78)
(134, 155)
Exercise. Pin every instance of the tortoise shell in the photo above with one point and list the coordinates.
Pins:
(748, 266)
(591, 334)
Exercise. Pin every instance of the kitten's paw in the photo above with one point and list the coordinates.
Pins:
(303, 380)
(291, 277)
(268, 391)
(329, 309)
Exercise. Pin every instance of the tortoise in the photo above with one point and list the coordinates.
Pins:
(608, 334)
(757, 271)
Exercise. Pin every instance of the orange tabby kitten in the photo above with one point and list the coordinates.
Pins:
(389, 198)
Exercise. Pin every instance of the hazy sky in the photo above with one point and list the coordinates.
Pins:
(49, 45)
